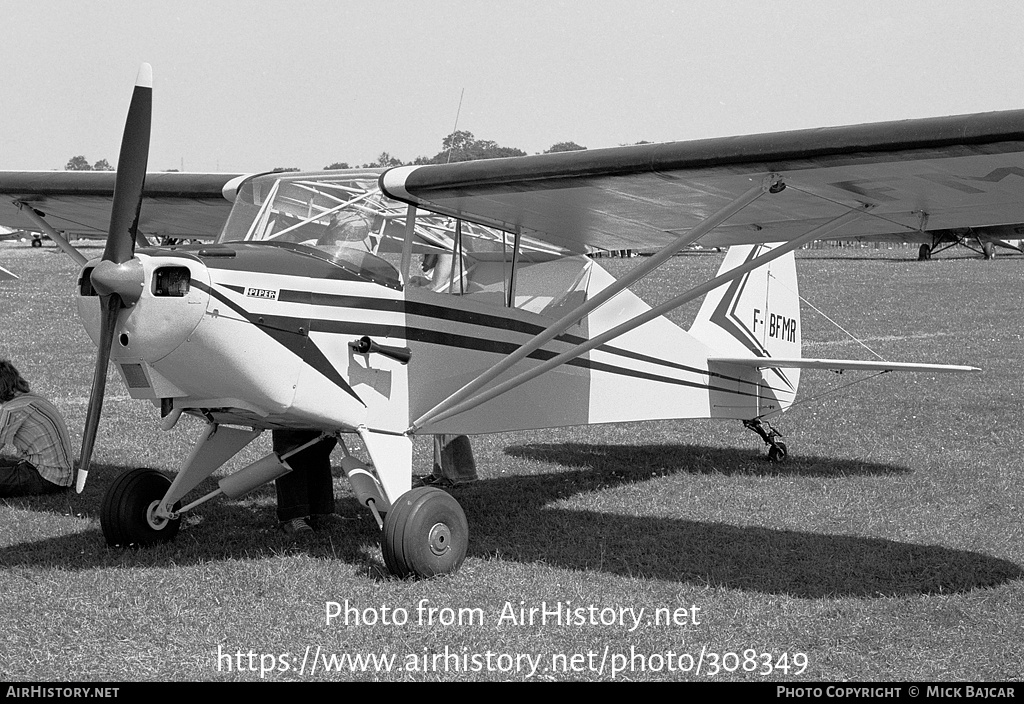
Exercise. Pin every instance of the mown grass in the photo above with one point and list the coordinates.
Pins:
(888, 547)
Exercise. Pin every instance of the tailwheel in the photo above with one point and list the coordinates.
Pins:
(425, 534)
(127, 514)
(777, 452)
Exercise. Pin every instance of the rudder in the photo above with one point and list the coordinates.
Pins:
(756, 315)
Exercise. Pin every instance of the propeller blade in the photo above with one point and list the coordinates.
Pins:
(120, 275)
(131, 171)
(111, 306)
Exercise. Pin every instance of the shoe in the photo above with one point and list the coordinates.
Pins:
(441, 482)
(297, 526)
(433, 480)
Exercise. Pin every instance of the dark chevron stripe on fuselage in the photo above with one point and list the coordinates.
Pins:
(457, 315)
(284, 331)
(273, 324)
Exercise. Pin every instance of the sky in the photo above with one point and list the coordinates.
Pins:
(251, 85)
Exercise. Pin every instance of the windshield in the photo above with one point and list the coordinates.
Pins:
(334, 214)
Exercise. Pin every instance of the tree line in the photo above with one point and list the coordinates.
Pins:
(458, 146)
(80, 163)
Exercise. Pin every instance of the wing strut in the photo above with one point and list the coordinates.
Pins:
(771, 183)
(410, 230)
(693, 293)
(32, 214)
(510, 299)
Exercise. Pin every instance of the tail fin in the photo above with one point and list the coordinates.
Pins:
(756, 315)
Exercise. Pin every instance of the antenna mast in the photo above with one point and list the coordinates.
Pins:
(456, 127)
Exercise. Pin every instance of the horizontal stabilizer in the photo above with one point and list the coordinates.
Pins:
(839, 364)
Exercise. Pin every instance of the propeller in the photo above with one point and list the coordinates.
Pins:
(118, 278)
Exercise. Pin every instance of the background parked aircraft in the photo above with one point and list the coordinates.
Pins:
(986, 241)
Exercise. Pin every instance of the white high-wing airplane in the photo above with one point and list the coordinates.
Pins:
(307, 311)
(983, 240)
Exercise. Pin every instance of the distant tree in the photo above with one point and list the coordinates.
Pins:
(565, 147)
(463, 146)
(77, 163)
(337, 165)
(459, 140)
(281, 169)
(102, 165)
(385, 161)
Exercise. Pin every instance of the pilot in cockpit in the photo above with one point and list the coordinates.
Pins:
(346, 229)
(437, 271)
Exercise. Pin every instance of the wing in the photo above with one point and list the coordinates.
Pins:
(78, 202)
(908, 176)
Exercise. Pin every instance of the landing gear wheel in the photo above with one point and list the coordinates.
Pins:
(924, 253)
(777, 452)
(127, 513)
(37, 243)
(988, 250)
(425, 534)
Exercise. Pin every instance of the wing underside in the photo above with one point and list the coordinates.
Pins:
(907, 176)
(78, 203)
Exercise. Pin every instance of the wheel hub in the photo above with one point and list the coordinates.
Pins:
(155, 522)
(439, 539)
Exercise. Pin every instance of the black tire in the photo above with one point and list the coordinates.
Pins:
(924, 253)
(125, 512)
(988, 250)
(425, 534)
(777, 452)
(37, 243)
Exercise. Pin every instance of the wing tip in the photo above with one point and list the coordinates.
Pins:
(145, 77)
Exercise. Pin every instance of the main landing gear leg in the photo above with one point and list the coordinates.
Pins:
(776, 448)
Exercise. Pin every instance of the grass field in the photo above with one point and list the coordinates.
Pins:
(888, 547)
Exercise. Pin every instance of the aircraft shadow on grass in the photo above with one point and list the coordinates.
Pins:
(513, 519)
(904, 259)
(640, 461)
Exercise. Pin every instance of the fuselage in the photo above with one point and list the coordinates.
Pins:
(259, 334)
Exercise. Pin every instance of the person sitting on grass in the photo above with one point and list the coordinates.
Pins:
(37, 432)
